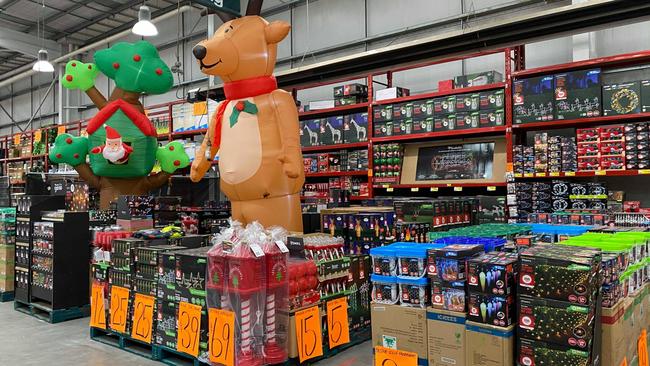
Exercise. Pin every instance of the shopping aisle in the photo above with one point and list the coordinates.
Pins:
(28, 341)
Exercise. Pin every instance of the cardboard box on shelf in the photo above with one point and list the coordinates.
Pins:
(331, 130)
(382, 113)
(487, 345)
(311, 133)
(645, 96)
(578, 94)
(477, 79)
(355, 127)
(533, 99)
(444, 123)
(622, 98)
(446, 337)
(350, 89)
(401, 328)
(391, 93)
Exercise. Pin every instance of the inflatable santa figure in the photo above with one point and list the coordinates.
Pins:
(115, 151)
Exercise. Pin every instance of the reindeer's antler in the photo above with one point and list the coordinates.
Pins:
(254, 7)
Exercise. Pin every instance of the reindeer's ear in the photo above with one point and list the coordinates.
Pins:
(276, 31)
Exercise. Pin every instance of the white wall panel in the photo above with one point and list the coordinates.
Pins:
(426, 78)
(474, 5)
(486, 63)
(284, 47)
(389, 15)
(628, 38)
(327, 23)
(551, 52)
(23, 110)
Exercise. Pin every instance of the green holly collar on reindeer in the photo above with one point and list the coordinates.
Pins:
(242, 89)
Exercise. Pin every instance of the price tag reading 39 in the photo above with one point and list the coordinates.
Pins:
(189, 326)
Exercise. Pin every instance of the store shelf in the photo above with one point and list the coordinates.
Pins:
(335, 147)
(335, 110)
(338, 174)
(596, 173)
(452, 133)
(415, 187)
(437, 94)
(20, 158)
(618, 60)
(580, 122)
(189, 133)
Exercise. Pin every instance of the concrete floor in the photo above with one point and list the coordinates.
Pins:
(25, 340)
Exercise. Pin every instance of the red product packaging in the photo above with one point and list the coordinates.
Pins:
(587, 135)
(444, 85)
(612, 163)
(588, 149)
(612, 148)
(588, 163)
(613, 133)
(631, 206)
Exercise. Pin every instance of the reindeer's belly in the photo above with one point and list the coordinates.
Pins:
(240, 153)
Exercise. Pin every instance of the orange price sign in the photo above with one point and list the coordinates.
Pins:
(37, 135)
(97, 307)
(309, 334)
(60, 130)
(624, 362)
(119, 307)
(642, 348)
(142, 318)
(338, 329)
(199, 108)
(221, 338)
(189, 326)
(392, 357)
(17, 139)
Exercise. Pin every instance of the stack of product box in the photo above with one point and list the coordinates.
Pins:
(349, 128)
(440, 214)
(559, 305)
(637, 145)
(7, 248)
(361, 228)
(340, 161)
(350, 94)
(387, 163)
(549, 154)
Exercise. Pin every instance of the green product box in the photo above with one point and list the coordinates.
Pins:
(645, 96)
(382, 113)
(578, 94)
(444, 123)
(467, 120)
(477, 79)
(491, 99)
(622, 98)
(467, 102)
(492, 118)
(533, 99)
(444, 105)
(422, 125)
(402, 127)
(383, 129)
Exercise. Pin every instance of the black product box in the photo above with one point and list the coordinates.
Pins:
(383, 129)
(556, 321)
(412, 231)
(450, 263)
(477, 79)
(145, 286)
(191, 241)
(444, 105)
(623, 98)
(422, 125)
(118, 277)
(533, 99)
(146, 271)
(382, 113)
(491, 118)
(191, 267)
(134, 207)
(492, 273)
(122, 247)
(491, 309)
(402, 111)
(578, 94)
(167, 276)
(100, 271)
(444, 123)
(491, 99)
(349, 100)
(355, 127)
(310, 133)
(645, 96)
(153, 254)
(532, 352)
(358, 282)
(450, 296)
(166, 323)
(351, 89)
(331, 130)
(422, 108)
(402, 127)
(467, 102)
(467, 120)
(560, 273)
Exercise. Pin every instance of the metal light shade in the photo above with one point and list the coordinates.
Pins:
(43, 65)
(144, 27)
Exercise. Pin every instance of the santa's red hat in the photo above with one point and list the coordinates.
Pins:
(112, 134)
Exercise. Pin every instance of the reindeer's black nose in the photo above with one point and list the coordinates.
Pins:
(199, 51)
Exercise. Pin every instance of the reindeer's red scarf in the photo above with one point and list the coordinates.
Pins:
(239, 90)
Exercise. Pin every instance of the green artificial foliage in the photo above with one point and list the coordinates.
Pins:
(69, 149)
(135, 67)
(79, 75)
(172, 157)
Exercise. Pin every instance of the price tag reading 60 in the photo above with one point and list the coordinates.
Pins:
(221, 336)
(392, 357)
(337, 322)
(309, 334)
(189, 326)
(142, 318)
(119, 307)
(97, 307)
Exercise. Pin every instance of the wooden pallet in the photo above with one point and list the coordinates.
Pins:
(173, 357)
(123, 342)
(44, 312)
(6, 296)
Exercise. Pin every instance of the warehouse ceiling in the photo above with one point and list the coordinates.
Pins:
(67, 22)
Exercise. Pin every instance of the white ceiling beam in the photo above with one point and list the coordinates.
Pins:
(27, 44)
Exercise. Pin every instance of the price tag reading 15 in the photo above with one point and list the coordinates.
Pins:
(309, 334)
(189, 326)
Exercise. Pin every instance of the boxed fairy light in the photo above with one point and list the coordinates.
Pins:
(578, 94)
(622, 98)
(533, 99)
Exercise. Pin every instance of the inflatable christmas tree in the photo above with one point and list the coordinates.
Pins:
(122, 145)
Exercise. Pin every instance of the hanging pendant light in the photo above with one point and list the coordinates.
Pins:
(43, 64)
(144, 27)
